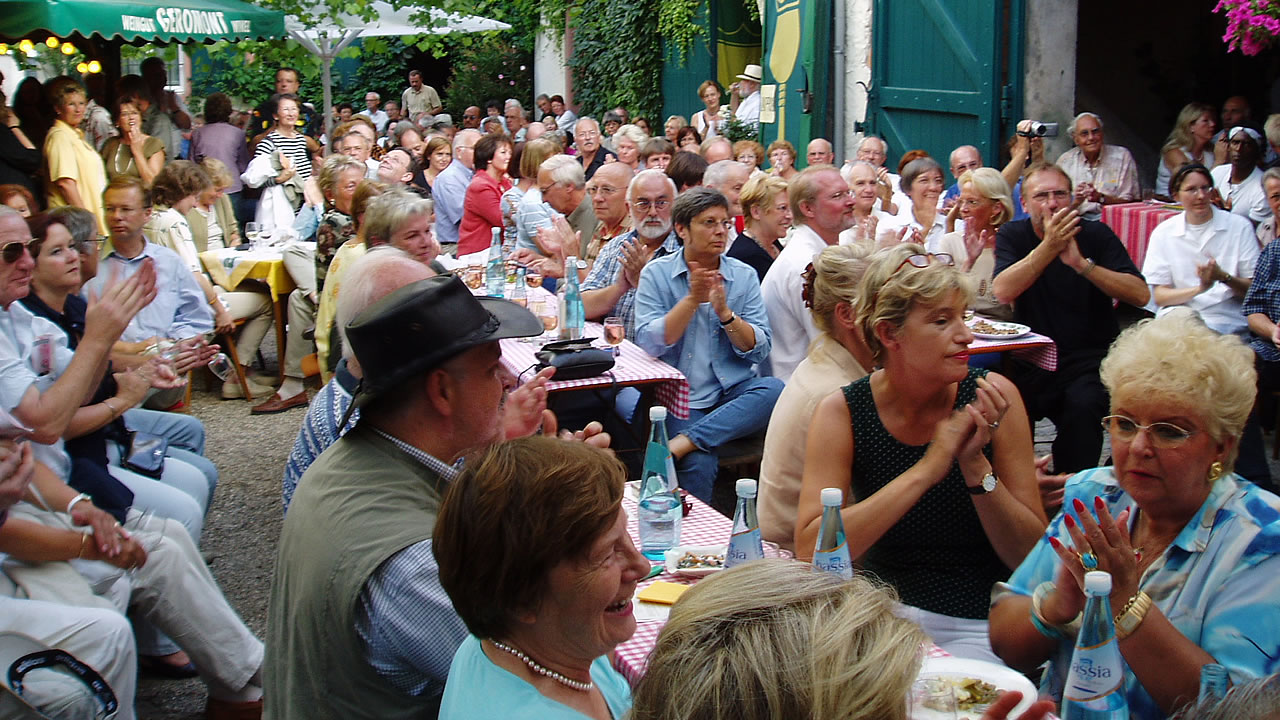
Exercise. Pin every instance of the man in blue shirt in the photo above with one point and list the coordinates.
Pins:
(701, 311)
(451, 187)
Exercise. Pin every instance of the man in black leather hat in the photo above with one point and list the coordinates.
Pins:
(359, 626)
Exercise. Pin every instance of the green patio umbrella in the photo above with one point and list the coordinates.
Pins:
(132, 21)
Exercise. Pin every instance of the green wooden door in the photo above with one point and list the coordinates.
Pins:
(797, 63)
(940, 70)
(724, 48)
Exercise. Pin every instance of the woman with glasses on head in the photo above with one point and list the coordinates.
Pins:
(1202, 258)
(934, 457)
(1190, 546)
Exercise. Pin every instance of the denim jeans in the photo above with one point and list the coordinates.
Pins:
(743, 409)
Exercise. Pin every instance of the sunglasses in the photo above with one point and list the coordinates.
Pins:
(12, 251)
(923, 261)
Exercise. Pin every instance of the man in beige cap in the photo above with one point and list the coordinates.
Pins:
(745, 95)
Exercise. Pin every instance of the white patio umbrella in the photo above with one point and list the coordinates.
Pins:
(325, 37)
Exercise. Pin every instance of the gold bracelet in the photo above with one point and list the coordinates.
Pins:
(112, 408)
(84, 538)
(1131, 617)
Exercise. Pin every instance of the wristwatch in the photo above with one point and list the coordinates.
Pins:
(988, 485)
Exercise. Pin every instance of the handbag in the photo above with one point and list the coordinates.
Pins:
(574, 359)
(146, 454)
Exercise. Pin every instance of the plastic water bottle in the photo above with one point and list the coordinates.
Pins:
(520, 293)
(832, 551)
(574, 320)
(659, 510)
(495, 271)
(1213, 682)
(745, 543)
(1095, 683)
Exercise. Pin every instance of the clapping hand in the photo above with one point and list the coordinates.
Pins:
(526, 406)
(1052, 487)
(635, 255)
(975, 241)
(109, 313)
(1108, 540)
(1210, 274)
(593, 434)
(192, 353)
(701, 282)
(16, 466)
(1084, 193)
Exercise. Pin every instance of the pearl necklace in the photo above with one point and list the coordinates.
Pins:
(547, 672)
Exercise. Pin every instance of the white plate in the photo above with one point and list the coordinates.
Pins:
(1002, 677)
(1018, 328)
(674, 554)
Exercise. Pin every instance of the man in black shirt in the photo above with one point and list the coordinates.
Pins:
(1062, 273)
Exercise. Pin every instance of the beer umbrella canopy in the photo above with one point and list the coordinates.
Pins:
(180, 21)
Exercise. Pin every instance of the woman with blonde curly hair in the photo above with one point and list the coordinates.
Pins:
(1190, 141)
(626, 145)
(1190, 546)
(934, 458)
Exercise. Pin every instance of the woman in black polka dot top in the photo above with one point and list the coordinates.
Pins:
(941, 496)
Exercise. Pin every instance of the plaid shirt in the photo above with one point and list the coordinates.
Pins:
(1264, 297)
(404, 617)
(609, 263)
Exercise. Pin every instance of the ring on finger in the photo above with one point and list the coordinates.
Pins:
(1089, 561)
(993, 424)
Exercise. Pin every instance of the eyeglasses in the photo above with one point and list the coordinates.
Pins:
(91, 247)
(1197, 189)
(644, 205)
(1164, 436)
(12, 251)
(712, 224)
(604, 190)
(1047, 194)
(923, 261)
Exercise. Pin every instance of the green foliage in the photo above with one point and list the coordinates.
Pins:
(676, 23)
(617, 56)
(247, 70)
(489, 69)
(382, 69)
(736, 130)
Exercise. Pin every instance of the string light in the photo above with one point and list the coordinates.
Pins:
(4, 48)
(26, 46)
(68, 49)
(82, 68)
(52, 42)
(95, 66)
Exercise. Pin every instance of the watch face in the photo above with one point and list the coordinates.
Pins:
(989, 482)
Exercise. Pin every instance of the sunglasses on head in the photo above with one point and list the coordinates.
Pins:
(12, 251)
(922, 261)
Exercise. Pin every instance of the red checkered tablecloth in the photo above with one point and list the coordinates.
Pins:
(632, 367)
(1133, 224)
(1033, 347)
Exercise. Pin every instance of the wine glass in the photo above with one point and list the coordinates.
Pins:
(549, 318)
(614, 333)
(533, 276)
(253, 231)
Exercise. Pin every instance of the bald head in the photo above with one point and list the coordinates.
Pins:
(383, 270)
(819, 152)
(717, 149)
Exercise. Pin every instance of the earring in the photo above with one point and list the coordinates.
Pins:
(1215, 472)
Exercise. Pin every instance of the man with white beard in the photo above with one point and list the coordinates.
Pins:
(745, 99)
(610, 287)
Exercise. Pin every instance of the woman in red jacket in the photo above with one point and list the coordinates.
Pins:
(482, 209)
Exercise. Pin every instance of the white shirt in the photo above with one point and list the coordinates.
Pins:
(749, 108)
(906, 217)
(782, 290)
(1248, 199)
(1174, 253)
(33, 352)
(379, 118)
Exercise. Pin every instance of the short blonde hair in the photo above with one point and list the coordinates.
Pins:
(759, 191)
(990, 184)
(218, 172)
(335, 165)
(837, 271)
(1175, 357)
(804, 188)
(890, 290)
(781, 639)
(632, 133)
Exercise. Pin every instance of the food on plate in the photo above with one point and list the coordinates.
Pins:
(987, 328)
(690, 561)
(970, 693)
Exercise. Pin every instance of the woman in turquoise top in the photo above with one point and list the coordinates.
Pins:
(1193, 549)
(534, 552)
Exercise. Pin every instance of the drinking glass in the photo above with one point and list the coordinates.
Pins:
(550, 319)
(934, 698)
(614, 333)
(474, 277)
(533, 276)
(253, 231)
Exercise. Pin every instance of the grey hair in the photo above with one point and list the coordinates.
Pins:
(706, 144)
(82, 224)
(1071, 129)
(632, 133)
(884, 146)
(695, 201)
(718, 172)
(915, 169)
(613, 116)
(846, 172)
(585, 118)
(393, 208)
(1253, 700)
(403, 127)
(513, 103)
(6, 211)
(1271, 129)
(565, 170)
(1270, 174)
(368, 280)
(640, 177)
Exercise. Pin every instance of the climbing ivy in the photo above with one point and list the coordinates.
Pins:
(617, 57)
(676, 23)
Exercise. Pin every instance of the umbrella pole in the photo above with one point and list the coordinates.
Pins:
(326, 79)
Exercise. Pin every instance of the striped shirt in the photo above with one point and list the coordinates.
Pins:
(295, 147)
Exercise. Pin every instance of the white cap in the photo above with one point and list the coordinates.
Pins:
(746, 488)
(656, 413)
(1097, 582)
(832, 497)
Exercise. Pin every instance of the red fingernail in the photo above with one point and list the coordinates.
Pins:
(1054, 542)
(1069, 520)
(1078, 505)
(1097, 501)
